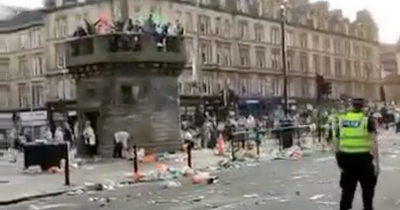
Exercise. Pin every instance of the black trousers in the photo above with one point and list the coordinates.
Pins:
(118, 147)
(356, 168)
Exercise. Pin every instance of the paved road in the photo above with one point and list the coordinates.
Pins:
(310, 183)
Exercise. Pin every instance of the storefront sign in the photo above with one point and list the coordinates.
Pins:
(33, 116)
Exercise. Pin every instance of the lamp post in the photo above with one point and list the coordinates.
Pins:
(286, 124)
(284, 58)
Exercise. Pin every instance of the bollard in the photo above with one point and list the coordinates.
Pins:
(66, 167)
(189, 154)
(135, 161)
(258, 141)
(233, 150)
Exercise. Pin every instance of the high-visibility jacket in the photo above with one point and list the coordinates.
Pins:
(334, 119)
(353, 133)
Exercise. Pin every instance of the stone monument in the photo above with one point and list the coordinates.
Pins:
(129, 82)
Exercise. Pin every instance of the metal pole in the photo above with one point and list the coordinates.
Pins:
(284, 59)
(195, 57)
(64, 97)
(31, 107)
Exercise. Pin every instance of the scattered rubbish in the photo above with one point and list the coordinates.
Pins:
(316, 197)
(187, 171)
(197, 199)
(328, 203)
(170, 184)
(254, 195)
(204, 178)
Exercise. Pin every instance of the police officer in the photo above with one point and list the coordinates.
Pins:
(357, 155)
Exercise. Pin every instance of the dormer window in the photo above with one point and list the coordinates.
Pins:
(243, 6)
(222, 3)
(346, 29)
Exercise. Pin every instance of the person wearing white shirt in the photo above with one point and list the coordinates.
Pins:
(59, 135)
(121, 139)
(90, 138)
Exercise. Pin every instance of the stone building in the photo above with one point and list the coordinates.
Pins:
(238, 41)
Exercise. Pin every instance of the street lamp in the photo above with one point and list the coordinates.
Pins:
(284, 58)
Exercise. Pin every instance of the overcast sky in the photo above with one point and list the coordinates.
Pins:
(385, 12)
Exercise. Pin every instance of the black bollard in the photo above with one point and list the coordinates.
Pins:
(135, 160)
(66, 167)
(189, 154)
(233, 150)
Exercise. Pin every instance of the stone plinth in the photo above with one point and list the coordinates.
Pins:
(127, 82)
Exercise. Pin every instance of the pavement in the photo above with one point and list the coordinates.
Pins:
(309, 183)
(16, 186)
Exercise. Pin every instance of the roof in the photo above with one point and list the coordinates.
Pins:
(22, 20)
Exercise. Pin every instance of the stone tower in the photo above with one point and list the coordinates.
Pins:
(128, 82)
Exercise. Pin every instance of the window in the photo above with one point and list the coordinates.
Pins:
(260, 58)
(22, 95)
(289, 38)
(37, 95)
(35, 37)
(61, 27)
(317, 63)
(347, 48)
(60, 56)
(3, 45)
(188, 21)
(152, 9)
(303, 40)
(220, 53)
(356, 50)
(347, 70)
(206, 53)
(37, 65)
(243, 6)
(227, 56)
(327, 44)
(316, 44)
(23, 70)
(218, 26)
(357, 69)
(290, 60)
(338, 67)
(275, 36)
(127, 94)
(227, 28)
(337, 46)
(259, 32)
(79, 19)
(275, 59)
(224, 55)
(327, 65)
(243, 30)
(204, 24)
(23, 41)
(304, 62)
(189, 49)
(244, 54)
(4, 70)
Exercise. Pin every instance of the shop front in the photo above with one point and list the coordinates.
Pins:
(34, 123)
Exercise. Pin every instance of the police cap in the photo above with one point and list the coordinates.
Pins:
(358, 101)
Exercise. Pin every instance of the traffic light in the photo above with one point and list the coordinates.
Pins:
(327, 88)
(323, 87)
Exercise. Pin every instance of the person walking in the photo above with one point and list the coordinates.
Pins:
(357, 155)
